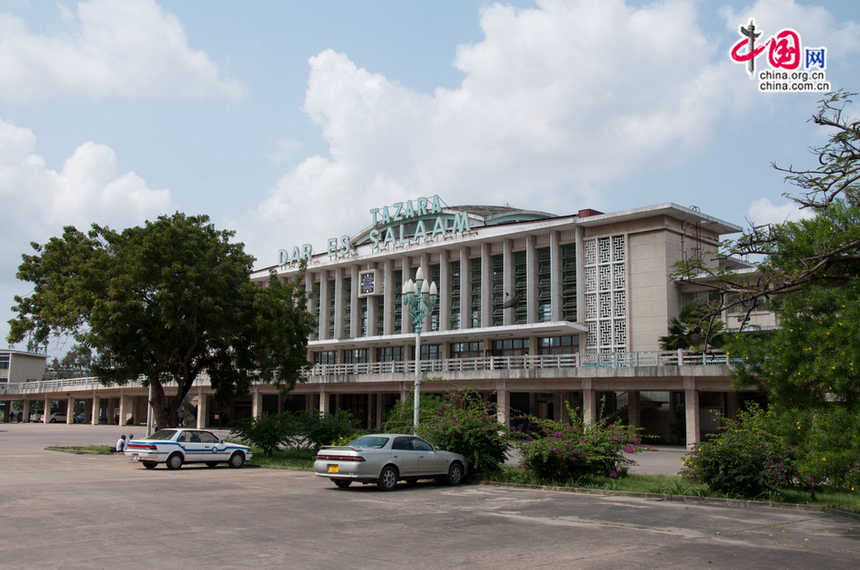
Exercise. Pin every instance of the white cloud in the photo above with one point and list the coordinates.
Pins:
(763, 211)
(87, 190)
(555, 101)
(109, 48)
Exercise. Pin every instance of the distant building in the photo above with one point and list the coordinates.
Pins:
(20, 366)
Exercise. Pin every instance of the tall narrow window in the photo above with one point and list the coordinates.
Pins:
(454, 295)
(398, 301)
(521, 290)
(316, 305)
(435, 276)
(347, 307)
(331, 296)
(568, 282)
(362, 317)
(475, 292)
(544, 285)
(497, 280)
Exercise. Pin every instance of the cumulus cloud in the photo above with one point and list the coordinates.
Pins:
(764, 211)
(108, 48)
(86, 190)
(555, 101)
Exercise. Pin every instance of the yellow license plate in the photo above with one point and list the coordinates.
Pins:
(332, 469)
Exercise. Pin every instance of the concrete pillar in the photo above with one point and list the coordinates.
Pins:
(256, 403)
(202, 410)
(503, 403)
(123, 409)
(323, 408)
(26, 410)
(589, 403)
(46, 416)
(691, 401)
(111, 409)
(94, 415)
(634, 412)
(70, 410)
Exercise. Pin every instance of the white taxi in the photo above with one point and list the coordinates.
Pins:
(176, 446)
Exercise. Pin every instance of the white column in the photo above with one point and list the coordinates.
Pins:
(47, 414)
(502, 403)
(256, 403)
(70, 410)
(354, 305)
(338, 304)
(634, 412)
(323, 400)
(202, 409)
(94, 416)
(388, 303)
(589, 402)
(691, 401)
(26, 410)
(122, 409)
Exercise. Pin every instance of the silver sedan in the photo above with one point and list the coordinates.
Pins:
(387, 458)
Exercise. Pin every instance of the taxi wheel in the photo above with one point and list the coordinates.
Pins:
(150, 464)
(237, 460)
(387, 478)
(342, 483)
(174, 461)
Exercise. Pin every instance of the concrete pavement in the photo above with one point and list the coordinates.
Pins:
(60, 510)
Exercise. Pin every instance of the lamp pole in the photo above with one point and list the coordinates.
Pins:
(419, 298)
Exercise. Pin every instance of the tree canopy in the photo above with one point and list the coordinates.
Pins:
(167, 302)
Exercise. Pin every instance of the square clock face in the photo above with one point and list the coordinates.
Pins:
(367, 283)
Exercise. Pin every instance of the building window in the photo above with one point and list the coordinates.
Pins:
(435, 277)
(331, 296)
(398, 301)
(559, 345)
(467, 350)
(389, 354)
(497, 284)
(380, 314)
(521, 291)
(511, 347)
(325, 357)
(454, 295)
(568, 283)
(316, 305)
(475, 292)
(347, 308)
(544, 285)
(606, 294)
(355, 356)
(431, 352)
(362, 317)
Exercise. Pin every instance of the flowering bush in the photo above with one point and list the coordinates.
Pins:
(745, 459)
(467, 424)
(576, 451)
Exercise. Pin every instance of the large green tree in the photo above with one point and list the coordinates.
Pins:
(166, 302)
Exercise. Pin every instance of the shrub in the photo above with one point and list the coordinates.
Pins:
(323, 429)
(265, 432)
(400, 419)
(576, 451)
(467, 424)
(747, 458)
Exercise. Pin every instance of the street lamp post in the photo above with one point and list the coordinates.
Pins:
(419, 298)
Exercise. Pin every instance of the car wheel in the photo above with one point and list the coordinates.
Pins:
(53, 420)
(211, 463)
(342, 483)
(237, 459)
(455, 474)
(387, 478)
(150, 464)
(174, 461)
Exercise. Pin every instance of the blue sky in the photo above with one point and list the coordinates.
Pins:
(288, 121)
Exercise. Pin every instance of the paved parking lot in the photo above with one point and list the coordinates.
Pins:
(61, 510)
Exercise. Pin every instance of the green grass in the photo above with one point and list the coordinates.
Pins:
(295, 458)
(100, 449)
(844, 499)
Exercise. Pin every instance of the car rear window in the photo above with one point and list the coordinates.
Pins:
(369, 442)
(163, 434)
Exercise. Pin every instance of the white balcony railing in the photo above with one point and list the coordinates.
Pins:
(556, 361)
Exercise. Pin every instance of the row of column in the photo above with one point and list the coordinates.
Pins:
(387, 299)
